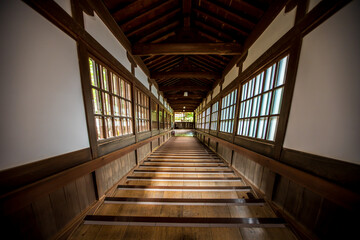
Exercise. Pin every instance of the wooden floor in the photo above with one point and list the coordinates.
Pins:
(183, 191)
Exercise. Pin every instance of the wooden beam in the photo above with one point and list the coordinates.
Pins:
(184, 88)
(187, 48)
(167, 75)
(186, 12)
(181, 95)
(221, 22)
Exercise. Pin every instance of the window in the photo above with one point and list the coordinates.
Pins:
(167, 120)
(111, 98)
(184, 116)
(154, 116)
(203, 120)
(228, 112)
(142, 107)
(214, 116)
(261, 102)
(198, 120)
(207, 118)
(161, 118)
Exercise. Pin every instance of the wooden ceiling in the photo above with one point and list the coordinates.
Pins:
(187, 44)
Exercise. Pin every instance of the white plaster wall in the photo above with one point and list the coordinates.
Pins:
(279, 26)
(65, 4)
(42, 110)
(141, 76)
(325, 112)
(154, 91)
(98, 30)
(232, 74)
(208, 99)
(216, 90)
(161, 99)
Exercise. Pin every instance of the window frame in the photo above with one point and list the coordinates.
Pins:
(263, 70)
(142, 106)
(207, 118)
(214, 116)
(101, 108)
(228, 103)
(154, 112)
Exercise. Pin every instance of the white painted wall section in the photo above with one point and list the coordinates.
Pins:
(98, 30)
(216, 90)
(154, 91)
(42, 109)
(279, 26)
(141, 76)
(232, 74)
(208, 99)
(325, 112)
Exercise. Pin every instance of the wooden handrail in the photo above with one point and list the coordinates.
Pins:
(324, 188)
(21, 197)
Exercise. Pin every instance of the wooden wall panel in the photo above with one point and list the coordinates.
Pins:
(154, 144)
(142, 152)
(212, 145)
(112, 172)
(49, 214)
(225, 152)
(143, 136)
(310, 207)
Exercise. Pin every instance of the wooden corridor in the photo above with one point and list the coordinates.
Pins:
(183, 191)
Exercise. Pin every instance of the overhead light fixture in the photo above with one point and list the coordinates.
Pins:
(185, 94)
(184, 107)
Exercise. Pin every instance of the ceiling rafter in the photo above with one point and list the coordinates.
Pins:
(156, 22)
(222, 10)
(221, 22)
(146, 16)
(212, 30)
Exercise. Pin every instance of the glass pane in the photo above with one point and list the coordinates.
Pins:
(256, 106)
(107, 106)
(128, 89)
(248, 108)
(93, 76)
(251, 88)
(272, 128)
(116, 107)
(109, 127)
(281, 71)
(122, 88)
(246, 127)
(269, 80)
(96, 101)
(104, 80)
(265, 102)
(129, 109)
(276, 103)
(123, 108)
(117, 127)
(99, 127)
(242, 110)
(258, 84)
(244, 91)
(115, 84)
(252, 130)
(262, 128)
(240, 127)
(124, 126)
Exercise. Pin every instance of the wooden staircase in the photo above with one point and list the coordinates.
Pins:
(183, 191)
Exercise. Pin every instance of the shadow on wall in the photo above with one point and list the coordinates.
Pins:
(183, 133)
